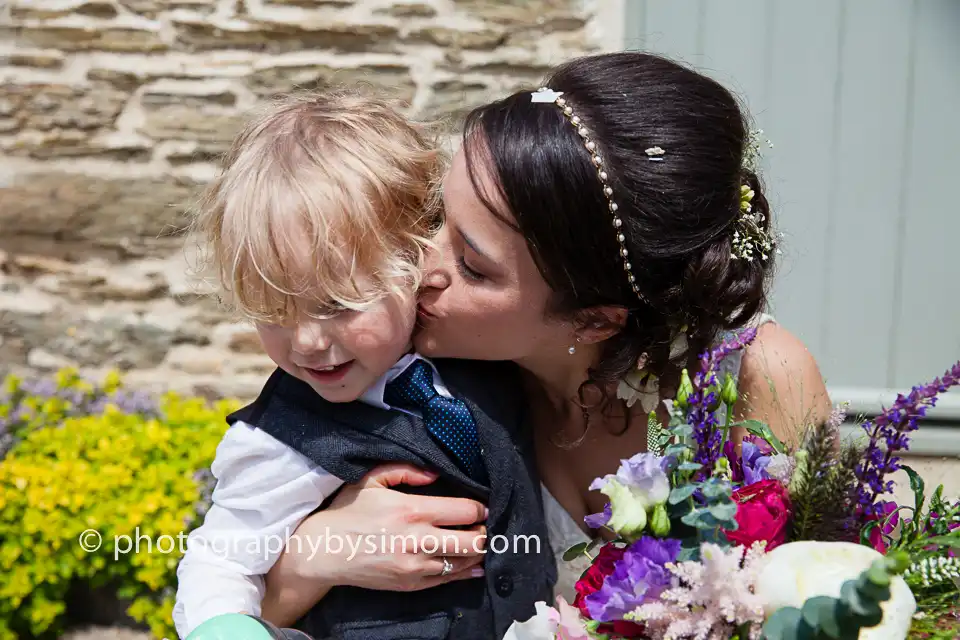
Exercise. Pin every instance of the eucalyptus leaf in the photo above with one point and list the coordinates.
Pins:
(820, 612)
(690, 466)
(701, 519)
(787, 624)
(675, 450)
(689, 554)
(853, 600)
(724, 511)
(681, 493)
(715, 489)
(575, 551)
(682, 430)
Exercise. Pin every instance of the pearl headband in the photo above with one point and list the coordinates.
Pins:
(546, 95)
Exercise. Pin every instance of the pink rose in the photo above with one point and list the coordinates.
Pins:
(763, 513)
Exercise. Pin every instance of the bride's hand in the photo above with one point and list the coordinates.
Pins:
(371, 511)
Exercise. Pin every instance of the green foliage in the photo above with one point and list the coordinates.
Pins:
(827, 618)
(124, 475)
(934, 572)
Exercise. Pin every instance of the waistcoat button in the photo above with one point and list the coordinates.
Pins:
(504, 585)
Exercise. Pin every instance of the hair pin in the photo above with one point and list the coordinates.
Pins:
(654, 154)
(543, 94)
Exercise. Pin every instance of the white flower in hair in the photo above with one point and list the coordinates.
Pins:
(643, 385)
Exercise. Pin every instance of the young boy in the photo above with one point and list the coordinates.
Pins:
(318, 226)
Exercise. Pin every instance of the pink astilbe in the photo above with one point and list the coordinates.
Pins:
(837, 416)
(715, 597)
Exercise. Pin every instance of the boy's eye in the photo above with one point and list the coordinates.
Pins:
(329, 310)
(467, 272)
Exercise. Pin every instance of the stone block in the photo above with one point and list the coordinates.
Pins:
(46, 145)
(282, 37)
(57, 120)
(94, 212)
(484, 39)
(273, 80)
(195, 152)
(42, 107)
(46, 9)
(452, 98)
(153, 8)
(518, 12)
(126, 81)
(408, 10)
(113, 39)
(177, 122)
(37, 59)
(191, 115)
(108, 342)
(311, 4)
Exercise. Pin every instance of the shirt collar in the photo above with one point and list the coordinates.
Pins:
(374, 394)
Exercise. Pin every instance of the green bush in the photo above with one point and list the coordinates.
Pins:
(84, 457)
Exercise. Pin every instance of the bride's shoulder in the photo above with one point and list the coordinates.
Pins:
(780, 382)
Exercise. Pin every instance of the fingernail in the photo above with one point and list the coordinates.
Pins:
(486, 513)
(477, 572)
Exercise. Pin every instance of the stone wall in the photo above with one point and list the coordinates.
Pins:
(114, 112)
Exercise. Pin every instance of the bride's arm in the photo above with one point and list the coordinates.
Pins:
(363, 512)
(780, 384)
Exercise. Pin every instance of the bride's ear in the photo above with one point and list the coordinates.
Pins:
(597, 324)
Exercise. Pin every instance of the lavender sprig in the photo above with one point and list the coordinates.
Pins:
(704, 400)
(892, 427)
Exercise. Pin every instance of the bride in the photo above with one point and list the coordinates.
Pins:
(600, 233)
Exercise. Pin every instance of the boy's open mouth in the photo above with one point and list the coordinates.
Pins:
(332, 373)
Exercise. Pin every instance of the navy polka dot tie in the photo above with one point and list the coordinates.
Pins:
(447, 419)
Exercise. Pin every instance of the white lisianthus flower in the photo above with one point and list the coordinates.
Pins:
(628, 515)
(639, 485)
(797, 571)
(640, 385)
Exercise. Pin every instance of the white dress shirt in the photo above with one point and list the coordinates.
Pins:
(264, 490)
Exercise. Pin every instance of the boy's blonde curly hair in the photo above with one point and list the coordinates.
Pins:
(325, 202)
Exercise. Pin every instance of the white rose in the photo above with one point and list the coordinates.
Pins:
(797, 571)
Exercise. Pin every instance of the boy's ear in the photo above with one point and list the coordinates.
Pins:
(600, 323)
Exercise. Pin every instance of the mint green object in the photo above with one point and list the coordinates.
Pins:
(231, 626)
(238, 626)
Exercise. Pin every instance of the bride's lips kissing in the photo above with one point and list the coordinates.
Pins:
(329, 374)
(423, 314)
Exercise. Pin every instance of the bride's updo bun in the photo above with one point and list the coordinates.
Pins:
(684, 213)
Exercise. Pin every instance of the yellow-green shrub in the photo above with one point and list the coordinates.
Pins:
(120, 474)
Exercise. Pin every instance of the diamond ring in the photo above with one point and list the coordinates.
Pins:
(447, 567)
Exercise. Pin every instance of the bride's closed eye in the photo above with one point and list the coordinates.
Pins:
(467, 273)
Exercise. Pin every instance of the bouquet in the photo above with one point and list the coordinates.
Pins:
(718, 541)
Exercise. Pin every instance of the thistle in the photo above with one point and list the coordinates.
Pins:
(823, 487)
(892, 427)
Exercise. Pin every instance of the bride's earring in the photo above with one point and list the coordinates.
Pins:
(573, 348)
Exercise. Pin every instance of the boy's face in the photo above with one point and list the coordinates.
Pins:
(341, 357)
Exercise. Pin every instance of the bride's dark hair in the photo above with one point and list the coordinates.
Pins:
(679, 214)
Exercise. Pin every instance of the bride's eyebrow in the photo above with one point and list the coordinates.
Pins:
(473, 245)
